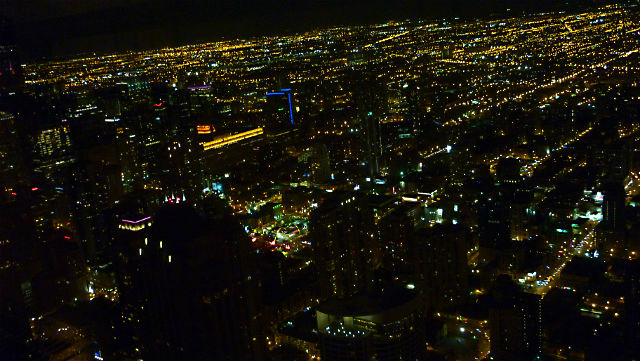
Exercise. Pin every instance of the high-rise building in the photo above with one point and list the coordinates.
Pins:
(611, 240)
(13, 140)
(440, 258)
(11, 74)
(191, 272)
(370, 101)
(17, 255)
(13, 156)
(66, 271)
(394, 231)
(515, 322)
(130, 236)
(97, 187)
(319, 164)
(493, 225)
(613, 207)
(279, 112)
(508, 171)
(520, 227)
(53, 154)
(345, 250)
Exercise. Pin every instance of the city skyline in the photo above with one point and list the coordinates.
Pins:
(63, 28)
(451, 187)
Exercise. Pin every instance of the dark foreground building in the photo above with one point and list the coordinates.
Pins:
(192, 288)
(515, 322)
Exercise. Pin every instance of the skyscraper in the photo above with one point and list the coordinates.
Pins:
(613, 207)
(320, 171)
(13, 136)
(515, 322)
(18, 255)
(610, 233)
(193, 272)
(395, 230)
(345, 250)
(440, 258)
(369, 106)
(11, 74)
(279, 112)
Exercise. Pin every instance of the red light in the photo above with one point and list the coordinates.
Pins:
(34, 189)
(67, 237)
(14, 193)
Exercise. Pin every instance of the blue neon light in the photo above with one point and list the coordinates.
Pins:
(290, 108)
(289, 96)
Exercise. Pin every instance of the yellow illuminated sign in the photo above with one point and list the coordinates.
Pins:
(230, 139)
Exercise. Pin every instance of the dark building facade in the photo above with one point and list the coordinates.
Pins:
(192, 272)
(345, 250)
(515, 322)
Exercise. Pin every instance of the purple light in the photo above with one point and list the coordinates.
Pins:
(134, 222)
(199, 87)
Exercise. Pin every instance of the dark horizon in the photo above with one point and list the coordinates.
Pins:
(48, 29)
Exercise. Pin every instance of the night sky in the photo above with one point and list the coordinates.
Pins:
(64, 27)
